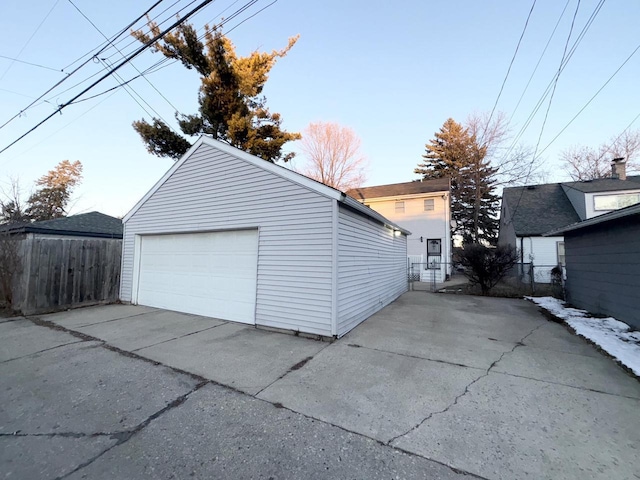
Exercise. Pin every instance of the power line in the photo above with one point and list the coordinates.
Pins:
(540, 59)
(32, 64)
(591, 100)
(118, 77)
(511, 63)
(546, 92)
(78, 68)
(203, 4)
(30, 38)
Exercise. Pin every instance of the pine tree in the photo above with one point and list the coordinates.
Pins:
(231, 106)
(456, 153)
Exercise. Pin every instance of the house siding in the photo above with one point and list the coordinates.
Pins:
(603, 269)
(371, 268)
(213, 190)
(542, 252)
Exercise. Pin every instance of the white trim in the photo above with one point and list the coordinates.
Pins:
(135, 280)
(334, 267)
(437, 193)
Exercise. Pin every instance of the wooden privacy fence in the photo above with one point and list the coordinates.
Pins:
(59, 273)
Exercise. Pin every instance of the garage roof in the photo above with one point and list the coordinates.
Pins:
(295, 177)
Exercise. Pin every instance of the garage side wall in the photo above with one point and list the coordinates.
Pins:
(372, 268)
(213, 190)
(603, 269)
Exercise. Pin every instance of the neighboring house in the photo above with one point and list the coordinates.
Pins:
(62, 263)
(423, 207)
(84, 225)
(228, 235)
(603, 264)
(531, 211)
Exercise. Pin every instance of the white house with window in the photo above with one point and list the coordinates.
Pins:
(529, 212)
(423, 207)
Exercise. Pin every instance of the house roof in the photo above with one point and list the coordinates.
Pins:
(400, 189)
(290, 175)
(607, 217)
(92, 224)
(605, 184)
(537, 209)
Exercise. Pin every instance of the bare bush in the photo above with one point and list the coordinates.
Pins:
(486, 266)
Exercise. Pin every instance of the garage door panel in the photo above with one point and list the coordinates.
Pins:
(212, 274)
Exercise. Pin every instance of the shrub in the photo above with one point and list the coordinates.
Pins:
(486, 266)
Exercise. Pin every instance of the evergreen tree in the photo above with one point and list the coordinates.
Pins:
(456, 153)
(231, 106)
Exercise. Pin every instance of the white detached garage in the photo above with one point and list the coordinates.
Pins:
(228, 235)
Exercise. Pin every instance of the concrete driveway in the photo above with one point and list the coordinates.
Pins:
(433, 386)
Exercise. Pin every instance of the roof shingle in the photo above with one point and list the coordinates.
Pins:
(399, 189)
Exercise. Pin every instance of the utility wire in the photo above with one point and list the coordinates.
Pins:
(591, 100)
(30, 38)
(543, 97)
(121, 80)
(544, 122)
(511, 63)
(32, 64)
(540, 59)
(76, 69)
(147, 45)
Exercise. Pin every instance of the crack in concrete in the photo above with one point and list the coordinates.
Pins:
(107, 321)
(466, 388)
(355, 345)
(586, 389)
(41, 351)
(123, 437)
(293, 368)
(179, 336)
(19, 434)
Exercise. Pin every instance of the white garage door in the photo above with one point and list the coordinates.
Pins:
(210, 274)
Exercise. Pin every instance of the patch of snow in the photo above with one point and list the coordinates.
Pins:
(611, 335)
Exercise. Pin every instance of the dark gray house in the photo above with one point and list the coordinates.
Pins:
(603, 264)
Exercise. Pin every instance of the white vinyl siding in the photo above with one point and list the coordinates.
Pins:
(372, 268)
(215, 191)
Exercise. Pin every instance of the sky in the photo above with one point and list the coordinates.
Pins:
(391, 71)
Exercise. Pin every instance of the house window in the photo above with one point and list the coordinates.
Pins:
(614, 202)
(560, 248)
(429, 204)
(399, 207)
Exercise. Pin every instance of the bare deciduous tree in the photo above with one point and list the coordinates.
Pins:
(513, 162)
(11, 207)
(587, 163)
(333, 156)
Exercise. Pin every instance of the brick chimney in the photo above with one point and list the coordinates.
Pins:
(619, 168)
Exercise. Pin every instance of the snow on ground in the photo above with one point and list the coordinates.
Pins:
(611, 335)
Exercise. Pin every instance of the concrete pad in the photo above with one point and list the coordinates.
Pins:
(80, 317)
(144, 330)
(22, 337)
(506, 320)
(83, 388)
(508, 427)
(378, 394)
(554, 336)
(218, 433)
(236, 355)
(48, 457)
(425, 342)
(597, 373)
